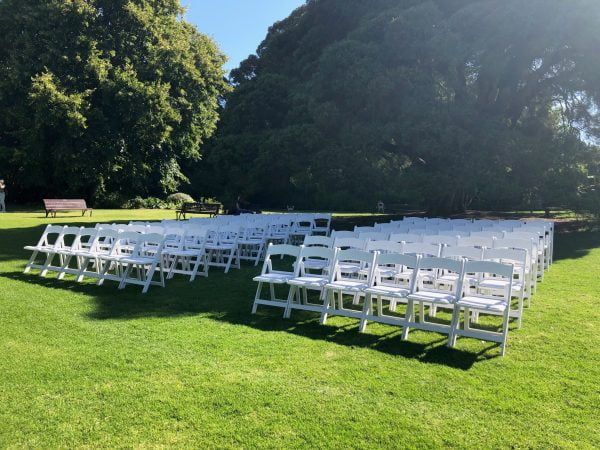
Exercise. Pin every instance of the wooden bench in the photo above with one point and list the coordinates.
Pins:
(212, 209)
(53, 205)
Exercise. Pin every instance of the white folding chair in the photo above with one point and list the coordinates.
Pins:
(81, 243)
(479, 303)
(62, 247)
(342, 282)
(108, 263)
(476, 241)
(441, 239)
(322, 224)
(493, 284)
(317, 241)
(344, 234)
(274, 277)
(184, 252)
(530, 246)
(252, 242)
(305, 279)
(406, 237)
(145, 260)
(374, 236)
(47, 245)
(384, 287)
(224, 251)
(425, 293)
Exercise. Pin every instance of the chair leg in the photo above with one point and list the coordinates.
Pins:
(326, 305)
(367, 309)
(256, 297)
(409, 318)
(287, 312)
(30, 262)
(454, 326)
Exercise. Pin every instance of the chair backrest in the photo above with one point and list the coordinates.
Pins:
(437, 267)
(383, 261)
(359, 230)
(85, 238)
(406, 237)
(51, 235)
(344, 234)
(488, 234)
(280, 250)
(354, 256)
(322, 221)
(125, 243)
(315, 253)
(150, 244)
(155, 229)
(374, 235)
(518, 258)
(476, 241)
(528, 244)
(351, 242)
(318, 241)
(419, 248)
(498, 270)
(454, 232)
(68, 236)
(384, 246)
(440, 239)
(470, 253)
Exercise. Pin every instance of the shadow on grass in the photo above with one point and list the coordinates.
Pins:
(575, 245)
(208, 298)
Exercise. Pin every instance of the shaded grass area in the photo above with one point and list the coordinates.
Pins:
(189, 365)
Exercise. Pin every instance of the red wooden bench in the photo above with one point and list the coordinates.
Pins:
(53, 205)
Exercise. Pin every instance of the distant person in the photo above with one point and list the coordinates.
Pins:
(242, 206)
(380, 207)
(2, 196)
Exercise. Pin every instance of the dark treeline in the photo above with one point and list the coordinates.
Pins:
(441, 104)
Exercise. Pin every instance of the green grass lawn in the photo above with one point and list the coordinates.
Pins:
(188, 365)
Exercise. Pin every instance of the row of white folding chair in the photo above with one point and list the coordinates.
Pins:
(104, 249)
(336, 281)
(519, 257)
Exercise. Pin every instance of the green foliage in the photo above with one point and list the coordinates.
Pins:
(447, 104)
(146, 203)
(103, 99)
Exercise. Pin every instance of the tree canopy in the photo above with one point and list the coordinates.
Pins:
(104, 99)
(446, 104)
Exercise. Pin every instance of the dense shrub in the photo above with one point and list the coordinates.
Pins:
(178, 199)
(145, 203)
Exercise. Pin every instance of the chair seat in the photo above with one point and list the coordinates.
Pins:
(309, 281)
(348, 285)
(138, 260)
(176, 252)
(39, 248)
(65, 251)
(220, 246)
(349, 268)
(276, 278)
(481, 303)
(388, 291)
(499, 284)
(433, 297)
(316, 263)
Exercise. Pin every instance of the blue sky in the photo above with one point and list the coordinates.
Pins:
(238, 26)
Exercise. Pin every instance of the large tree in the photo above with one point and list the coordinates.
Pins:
(103, 99)
(443, 103)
